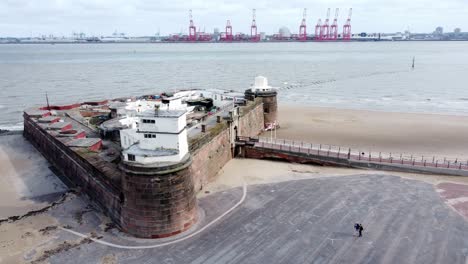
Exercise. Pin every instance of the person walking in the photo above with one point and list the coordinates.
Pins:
(356, 227)
(360, 230)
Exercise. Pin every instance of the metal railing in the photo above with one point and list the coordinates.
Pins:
(356, 154)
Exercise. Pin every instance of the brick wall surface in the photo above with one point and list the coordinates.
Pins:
(271, 107)
(252, 122)
(76, 169)
(159, 205)
(210, 159)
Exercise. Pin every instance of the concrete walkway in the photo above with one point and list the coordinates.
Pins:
(311, 221)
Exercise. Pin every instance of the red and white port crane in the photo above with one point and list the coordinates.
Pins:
(334, 27)
(228, 31)
(303, 27)
(253, 29)
(325, 30)
(347, 26)
(318, 28)
(192, 29)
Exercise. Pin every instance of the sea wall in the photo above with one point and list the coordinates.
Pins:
(253, 152)
(76, 169)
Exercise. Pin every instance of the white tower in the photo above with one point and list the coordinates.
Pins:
(261, 85)
(160, 136)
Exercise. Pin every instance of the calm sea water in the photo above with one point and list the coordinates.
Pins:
(375, 76)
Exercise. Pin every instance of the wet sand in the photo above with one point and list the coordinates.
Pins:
(407, 133)
(26, 184)
(26, 180)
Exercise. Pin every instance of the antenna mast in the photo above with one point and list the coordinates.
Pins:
(47, 99)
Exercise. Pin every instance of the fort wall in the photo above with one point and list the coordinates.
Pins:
(77, 170)
(159, 201)
(217, 149)
(149, 202)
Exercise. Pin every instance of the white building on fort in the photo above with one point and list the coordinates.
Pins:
(159, 136)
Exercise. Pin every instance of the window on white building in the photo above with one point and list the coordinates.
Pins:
(149, 121)
(131, 157)
(150, 135)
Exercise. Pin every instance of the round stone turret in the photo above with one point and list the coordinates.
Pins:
(158, 194)
(268, 94)
(159, 201)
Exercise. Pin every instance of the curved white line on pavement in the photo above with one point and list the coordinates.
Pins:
(244, 195)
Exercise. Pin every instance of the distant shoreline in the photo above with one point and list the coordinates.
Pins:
(232, 42)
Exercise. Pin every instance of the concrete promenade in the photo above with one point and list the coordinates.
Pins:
(294, 221)
(311, 221)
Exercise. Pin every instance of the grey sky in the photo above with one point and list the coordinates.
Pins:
(145, 17)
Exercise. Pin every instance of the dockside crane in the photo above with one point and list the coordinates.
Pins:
(325, 30)
(253, 29)
(228, 31)
(347, 26)
(192, 28)
(318, 28)
(303, 27)
(334, 27)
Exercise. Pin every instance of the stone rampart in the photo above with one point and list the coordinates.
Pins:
(211, 157)
(159, 201)
(77, 170)
(155, 201)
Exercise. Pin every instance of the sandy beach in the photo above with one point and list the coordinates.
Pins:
(28, 181)
(28, 184)
(407, 133)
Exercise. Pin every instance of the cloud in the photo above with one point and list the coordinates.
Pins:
(145, 17)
